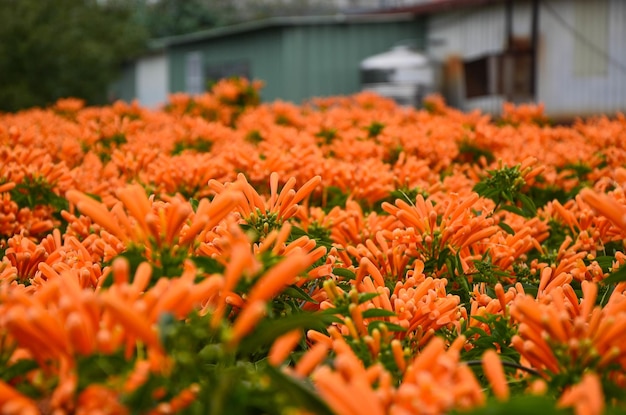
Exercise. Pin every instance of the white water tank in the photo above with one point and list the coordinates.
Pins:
(402, 74)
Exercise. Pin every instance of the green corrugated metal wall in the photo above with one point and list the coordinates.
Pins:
(323, 60)
(260, 48)
(124, 87)
(298, 62)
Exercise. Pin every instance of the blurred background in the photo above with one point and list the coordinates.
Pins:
(569, 55)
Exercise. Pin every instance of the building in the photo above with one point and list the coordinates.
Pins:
(568, 54)
(296, 57)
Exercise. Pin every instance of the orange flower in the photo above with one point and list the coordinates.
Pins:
(585, 397)
(495, 374)
(606, 206)
(283, 346)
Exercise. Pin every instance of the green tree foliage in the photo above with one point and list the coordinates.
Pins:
(52, 49)
(175, 17)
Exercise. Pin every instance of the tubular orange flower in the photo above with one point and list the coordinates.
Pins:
(180, 187)
(14, 403)
(5, 187)
(97, 212)
(283, 346)
(312, 358)
(246, 320)
(606, 206)
(131, 321)
(586, 397)
(278, 277)
(495, 374)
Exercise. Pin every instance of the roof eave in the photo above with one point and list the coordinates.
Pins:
(434, 7)
(278, 22)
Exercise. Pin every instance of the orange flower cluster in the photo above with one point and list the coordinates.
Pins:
(377, 258)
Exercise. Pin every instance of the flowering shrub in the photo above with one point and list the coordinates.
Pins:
(344, 256)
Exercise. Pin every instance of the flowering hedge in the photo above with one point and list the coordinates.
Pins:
(343, 256)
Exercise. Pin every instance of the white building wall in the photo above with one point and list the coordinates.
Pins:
(472, 33)
(469, 34)
(562, 87)
(152, 80)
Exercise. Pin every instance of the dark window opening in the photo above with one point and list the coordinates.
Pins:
(477, 77)
(509, 74)
(376, 76)
(216, 71)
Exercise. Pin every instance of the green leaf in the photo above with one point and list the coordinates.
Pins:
(298, 293)
(528, 206)
(518, 405)
(269, 330)
(390, 326)
(364, 297)
(513, 209)
(470, 152)
(19, 368)
(194, 204)
(616, 277)
(374, 129)
(36, 191)
(208, 264)
(378, 312)
(98, 368)
(94, 197)
(506, 228)
(318, 233)
(300, 392)
(605, 262)
(345, 273)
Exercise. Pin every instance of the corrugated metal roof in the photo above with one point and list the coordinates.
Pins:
(277, 22)
(435, 6)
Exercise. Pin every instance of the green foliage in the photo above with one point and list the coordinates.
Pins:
(518, 405)
(174, 17)
(471, 153)
(98, 368)
(254, 137)
(327, 135)
(107, 145)
(394, 155)
(404, 193)
(579, 170)
(55, 49)
(12, 371)
(498, 335)
(199, 145)
(374, 129)
(263, 223)
(543, 195)
(487, 272)
(165, 262)
(231, 379)
(316, 232)
(446, 263)
(333, 196)
(247, 96)
(558, 233)
(282, 120)
(504, 187)
(36, 191)
(616, 277)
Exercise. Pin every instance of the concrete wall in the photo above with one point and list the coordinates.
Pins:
(152, 80)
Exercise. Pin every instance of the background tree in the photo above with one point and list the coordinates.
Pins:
(61, 48)
(175, 17)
